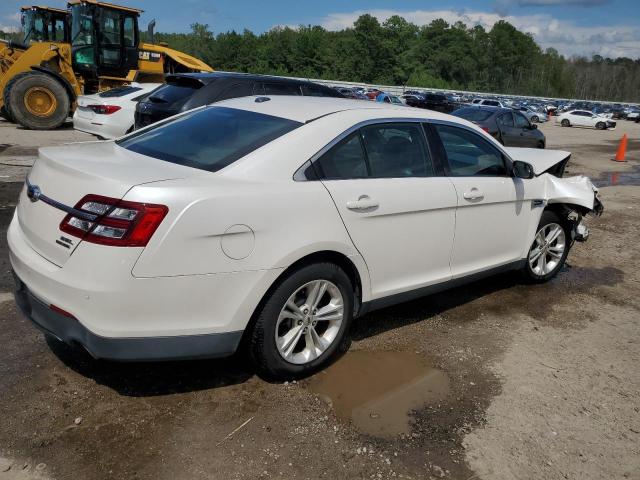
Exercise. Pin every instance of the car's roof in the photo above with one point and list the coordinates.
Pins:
(306, 109)
(487, 108)
(208, 77)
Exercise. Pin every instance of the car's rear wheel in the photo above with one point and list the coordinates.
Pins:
(304, 322)
(549, 249)
(565, 123)
(601, 125)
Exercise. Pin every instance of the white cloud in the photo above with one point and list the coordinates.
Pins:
(8, 28)
(566, 37)
(12, 24)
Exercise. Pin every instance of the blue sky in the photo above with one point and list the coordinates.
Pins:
(607, 27)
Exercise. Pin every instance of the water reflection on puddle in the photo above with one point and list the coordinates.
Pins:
(378, 390)
(630, 177)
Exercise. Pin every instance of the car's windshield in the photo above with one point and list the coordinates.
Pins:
(210, 138)
(472, 114)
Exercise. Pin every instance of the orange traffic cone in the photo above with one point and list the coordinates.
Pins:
(622, 149)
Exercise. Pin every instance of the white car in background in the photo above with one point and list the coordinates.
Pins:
(584, 118)
(278, 220)
(110, 114)
(633, 114)
(488, 102)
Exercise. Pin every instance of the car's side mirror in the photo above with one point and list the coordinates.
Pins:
(523, 170)
(534, 126)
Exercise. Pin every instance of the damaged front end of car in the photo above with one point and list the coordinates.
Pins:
(572, 197)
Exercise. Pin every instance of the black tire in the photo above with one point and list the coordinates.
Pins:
(262, 343)
(27, 119)
(535, 119)
(601, 125)
(6, 94)
(548, 218)
(5, 114)
(541, 145)
(565, 123)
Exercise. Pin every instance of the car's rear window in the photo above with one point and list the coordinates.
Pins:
(210, 138)
(119, 92)
(174, 90)
(472, 114)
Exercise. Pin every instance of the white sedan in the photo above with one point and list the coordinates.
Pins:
(278, 220)
(110, 114)
(584, 118)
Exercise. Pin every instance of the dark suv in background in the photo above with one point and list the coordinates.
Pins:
(510, 127)
(184, 91)
(431, 101)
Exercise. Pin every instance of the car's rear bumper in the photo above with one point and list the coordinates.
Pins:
(101, 127)
(68, 329)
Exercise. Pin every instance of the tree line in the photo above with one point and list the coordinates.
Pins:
(398, 52)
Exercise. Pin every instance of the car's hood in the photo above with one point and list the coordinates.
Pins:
(540, 159)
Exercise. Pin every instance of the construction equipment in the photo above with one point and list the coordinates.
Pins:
(91, 47)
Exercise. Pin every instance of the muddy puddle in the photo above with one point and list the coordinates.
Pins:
(609, 179)
(377, 390)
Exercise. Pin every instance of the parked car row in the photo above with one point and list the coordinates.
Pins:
(119, 111)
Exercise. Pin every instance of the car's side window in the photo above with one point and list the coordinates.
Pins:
(396, 150)
(282, 89)
(311, 90)
(521, 120)
(505, 120)
(468, 154)
(243, 89)
(343, 161)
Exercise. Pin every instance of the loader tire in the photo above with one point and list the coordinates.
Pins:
(38, 101)
(7, 94)
(4, 114)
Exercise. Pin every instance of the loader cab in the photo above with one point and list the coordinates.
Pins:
(104, 38)
(44, 24)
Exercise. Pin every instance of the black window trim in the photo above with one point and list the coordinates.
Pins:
(438, 145)
(299, 175)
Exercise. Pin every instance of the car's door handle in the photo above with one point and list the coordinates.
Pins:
(363, 203)
(473, 194)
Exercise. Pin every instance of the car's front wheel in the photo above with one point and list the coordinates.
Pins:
(304, 322)
(535, 119)
(565, 123)
(601, 125)
(549, 249)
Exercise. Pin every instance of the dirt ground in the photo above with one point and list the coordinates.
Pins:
(495, 380)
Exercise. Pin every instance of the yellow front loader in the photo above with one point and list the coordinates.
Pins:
(91, 47)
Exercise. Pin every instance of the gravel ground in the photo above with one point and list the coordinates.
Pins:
(525, 381)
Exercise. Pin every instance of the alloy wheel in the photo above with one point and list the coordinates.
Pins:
(309, 322)
(548, 249)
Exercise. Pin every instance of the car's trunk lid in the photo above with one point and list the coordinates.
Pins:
(63, 175)
(83, 106)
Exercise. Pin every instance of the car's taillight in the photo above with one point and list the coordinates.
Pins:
(115, 222)
(484, 128)
(104, 109)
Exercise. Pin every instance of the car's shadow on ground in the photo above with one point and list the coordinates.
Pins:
(155, 378)
(425, 308)
(161, 378)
